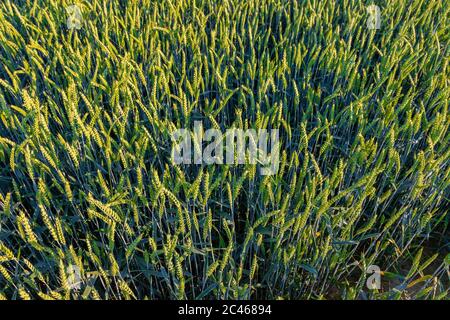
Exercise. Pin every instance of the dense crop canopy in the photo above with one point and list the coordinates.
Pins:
(89, 190)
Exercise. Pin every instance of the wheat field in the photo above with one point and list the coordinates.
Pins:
(87, 181)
